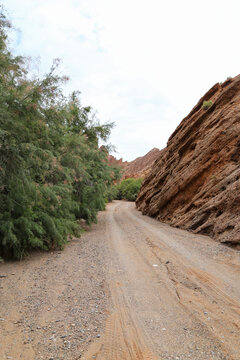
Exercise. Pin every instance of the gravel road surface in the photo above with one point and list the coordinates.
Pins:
(130, 288)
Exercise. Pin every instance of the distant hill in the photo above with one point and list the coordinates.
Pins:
(137, 168)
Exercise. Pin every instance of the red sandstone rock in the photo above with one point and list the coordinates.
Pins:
(113, 161)
(137, 168)
(141, 166)
(195, 182)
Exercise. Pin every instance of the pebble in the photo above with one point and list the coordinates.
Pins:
(84, 311)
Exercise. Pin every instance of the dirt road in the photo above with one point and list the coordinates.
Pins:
(160, 293)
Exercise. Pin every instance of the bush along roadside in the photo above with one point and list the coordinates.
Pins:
(128, 189)
(52, 172)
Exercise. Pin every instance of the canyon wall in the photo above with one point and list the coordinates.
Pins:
(138, 168)
(195, 182)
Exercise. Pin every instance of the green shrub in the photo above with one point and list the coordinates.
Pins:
(112, 193)
(206, 105)
(128, 189)
(52, 172)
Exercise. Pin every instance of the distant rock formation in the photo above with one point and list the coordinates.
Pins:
(137, 168)
(113, 161)
(195, 182)
(140, 167)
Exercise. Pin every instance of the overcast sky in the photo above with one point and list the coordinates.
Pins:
(140, 63)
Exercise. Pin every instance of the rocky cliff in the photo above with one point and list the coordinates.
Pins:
(137, 168)
(141, 166)
(195, 182)
(113, 161)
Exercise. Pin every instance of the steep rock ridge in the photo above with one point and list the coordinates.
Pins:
(137, 168)
(113, 161)
(195, 182)
(141, 166)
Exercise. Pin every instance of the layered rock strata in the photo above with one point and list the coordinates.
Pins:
(140, 167)
(137, 168)
(195, 182)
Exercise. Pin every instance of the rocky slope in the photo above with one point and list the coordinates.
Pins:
(137, 168)
(141, 166)
(113, 161)
(195, 182)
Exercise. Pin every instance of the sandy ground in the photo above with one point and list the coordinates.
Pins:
(52, 305)
(130, 288)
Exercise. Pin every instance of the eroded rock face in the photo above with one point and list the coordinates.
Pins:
(137, 168)
(113, 161)
(140, 167)
(195, 182)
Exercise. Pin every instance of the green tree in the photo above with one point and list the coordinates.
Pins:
(52, 172)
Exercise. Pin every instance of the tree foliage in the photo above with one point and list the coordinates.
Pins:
(128, 189)
(52, 172)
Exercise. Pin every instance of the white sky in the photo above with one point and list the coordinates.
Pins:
(140, 63)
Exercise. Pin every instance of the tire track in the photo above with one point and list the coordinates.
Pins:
(165, 305)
